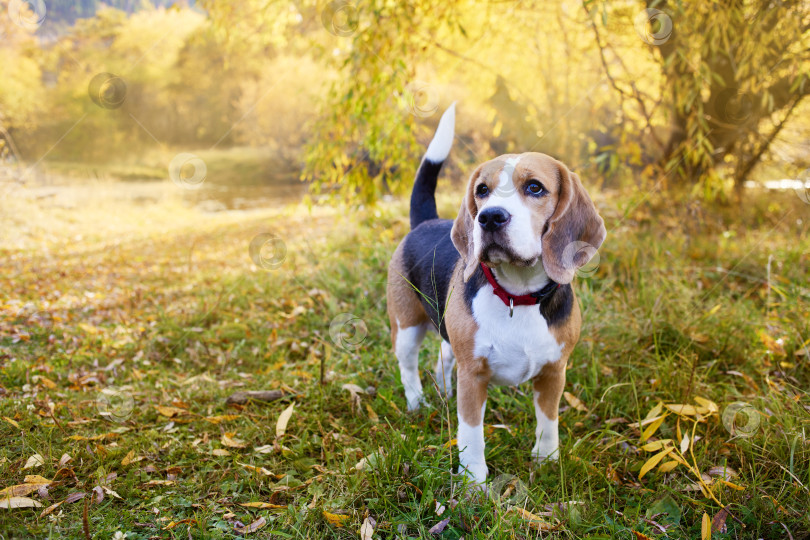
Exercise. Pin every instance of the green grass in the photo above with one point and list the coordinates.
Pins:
(679, 307)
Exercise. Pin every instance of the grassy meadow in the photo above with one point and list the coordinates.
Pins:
(119, 346)
(138, 312)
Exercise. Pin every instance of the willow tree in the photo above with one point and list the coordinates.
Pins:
(366, 137)
(732, 74)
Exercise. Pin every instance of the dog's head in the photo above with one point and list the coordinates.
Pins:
(524, 208)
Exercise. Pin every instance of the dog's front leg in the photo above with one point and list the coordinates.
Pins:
(548, 389)
(473, 378)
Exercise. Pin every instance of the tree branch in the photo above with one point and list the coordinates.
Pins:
(745, 170)
(635, 93)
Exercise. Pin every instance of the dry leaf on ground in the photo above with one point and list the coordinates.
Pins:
(170, 412)
(253, 527)
(34, 461)
(263, 505)
(229, 439)
(653, 461)
(338, 520)
(19, 502)
(283, 420)
(575, 402)
(367, 529)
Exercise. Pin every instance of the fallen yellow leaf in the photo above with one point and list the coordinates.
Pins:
(650, 430)
(128, 458)
(221, 418)
(19, 490)
(170, 412)
(706, 527)
(34, 461)
(261, 470)
(262, 505)
(174, 524)
(575, 402)
(371, 414)
(161, 483)
(656, 445)
(533, 521)
(50, 509)
(338, 520)
(12, 422)
(685, 444)
(19, 502)
(94, 437)
(283, 419)
(708, 404)
(682, 410)
(653, 461)
(655, 411)
(229, 439)
(668, 466)
(36, 479)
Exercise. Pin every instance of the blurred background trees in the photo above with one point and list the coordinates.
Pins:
(695, 95)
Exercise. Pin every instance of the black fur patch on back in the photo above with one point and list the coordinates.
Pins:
(430, 258)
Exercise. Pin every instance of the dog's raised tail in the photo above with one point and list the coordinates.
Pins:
(423, 196)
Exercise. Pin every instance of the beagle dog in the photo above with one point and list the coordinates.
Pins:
(495, 284)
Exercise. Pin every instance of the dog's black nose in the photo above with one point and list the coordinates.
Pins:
(493, 219)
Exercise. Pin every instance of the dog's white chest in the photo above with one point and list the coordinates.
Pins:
(516, 347)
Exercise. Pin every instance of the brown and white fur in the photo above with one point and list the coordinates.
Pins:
(533, 225)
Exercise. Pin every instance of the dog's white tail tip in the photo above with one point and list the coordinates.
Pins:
(439, 147)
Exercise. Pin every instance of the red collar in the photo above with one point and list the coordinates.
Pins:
(512, 300)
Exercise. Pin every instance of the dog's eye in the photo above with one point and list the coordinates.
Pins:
(482, 190)
(535, 188)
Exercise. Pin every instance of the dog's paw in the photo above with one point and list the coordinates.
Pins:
(476, 474)
(415, 401)
(546, 447)
(545, 455)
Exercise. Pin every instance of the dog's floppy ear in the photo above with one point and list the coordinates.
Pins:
(462, 233)
(573, 233)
